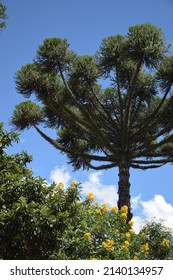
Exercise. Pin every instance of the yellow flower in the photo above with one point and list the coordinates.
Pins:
(105, 207)
(165, 242)
(87, 235)
(127, 235)
(131, 223)
(90, 196)
(123, 215)
(144, 248)
(114, 209)
(116, 230)
(135, 258)
(93, 259)
(73, 184)
(126, 243)
(124, 209)
(165, 227)
(95, 204)
(60, 185)
(108, 244)
(98, 211)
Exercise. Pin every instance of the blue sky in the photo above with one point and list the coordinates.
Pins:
(84, 24)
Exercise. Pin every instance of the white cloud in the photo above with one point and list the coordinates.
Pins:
(135, 201)
(60, 174)
(138, 223)
(102, 192)
(154, 209)
(158, 208)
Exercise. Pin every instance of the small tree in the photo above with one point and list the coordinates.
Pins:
(125, 125)
(22, 202)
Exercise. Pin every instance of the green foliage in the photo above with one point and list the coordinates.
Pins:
(159, 238)
(56, 52)
(146, 43)
(61, 226)
(3, 16)
(27, 114)
(165, 72)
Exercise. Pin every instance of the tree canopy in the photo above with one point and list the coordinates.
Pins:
(127, 124)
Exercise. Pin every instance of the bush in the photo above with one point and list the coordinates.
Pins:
(56, 224)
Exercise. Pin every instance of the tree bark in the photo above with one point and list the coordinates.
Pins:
(124, 188)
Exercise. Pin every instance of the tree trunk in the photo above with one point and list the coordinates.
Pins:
(124, 188)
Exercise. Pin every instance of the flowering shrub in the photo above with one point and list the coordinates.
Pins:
(56, 224)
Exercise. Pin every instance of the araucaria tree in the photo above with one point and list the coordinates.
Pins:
(127, 124)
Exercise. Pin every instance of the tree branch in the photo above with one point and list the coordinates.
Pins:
(101, 167)
(144, 125)
(69, 151)
(128, 105)
(146, 167)
(152, 147)
(161, 161)
(101, 105)
(86, 114)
